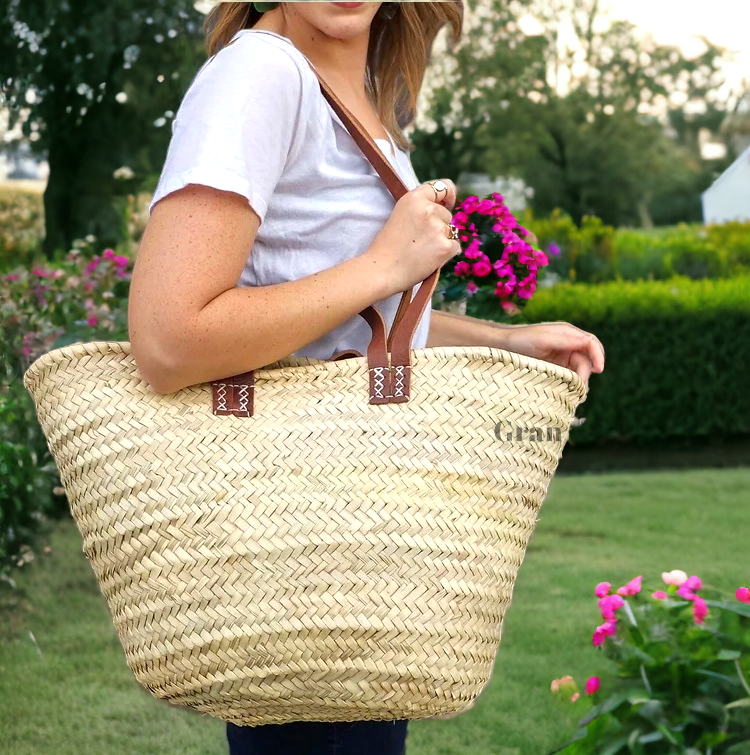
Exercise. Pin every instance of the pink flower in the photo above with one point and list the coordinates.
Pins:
(609, 605)
(88, 286)
(462, 268)
(675, 577)
(575, 697)
(38, 271)
(121, 260)
(688, 587)
(471, 287)
(540, 257)
(603, 631)
(631, 588)
(92, 320)
(12, 277)
(602, 589)
(554, 248)
(460, 219)
(483, 267)
(700, 609)
(527, 288)
(26, 350)
(555, 686)
(743, 595)
(473, 250)
(92, 265)
(108, 254)
(592, 685)
(505, 288)
(659, 595)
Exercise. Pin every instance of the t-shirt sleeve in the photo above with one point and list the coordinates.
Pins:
(238, 123)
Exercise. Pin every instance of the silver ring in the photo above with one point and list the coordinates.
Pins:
(453, 235)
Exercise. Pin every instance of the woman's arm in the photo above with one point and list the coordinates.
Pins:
(557, 342)
(451, 329)
(190, 324)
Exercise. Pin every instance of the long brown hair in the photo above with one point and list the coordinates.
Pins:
(397, 58)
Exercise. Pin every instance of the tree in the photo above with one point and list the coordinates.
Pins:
(587, 123)
(98, 80)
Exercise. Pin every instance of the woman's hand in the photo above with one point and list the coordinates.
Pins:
(560, 343)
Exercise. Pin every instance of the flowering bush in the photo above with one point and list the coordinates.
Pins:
(495, 254)
(683, 662)
(42, 308)
(80, 300)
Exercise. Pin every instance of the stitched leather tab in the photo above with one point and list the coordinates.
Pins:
(234, 395)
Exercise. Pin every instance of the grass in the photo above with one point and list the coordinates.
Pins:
(79, 697)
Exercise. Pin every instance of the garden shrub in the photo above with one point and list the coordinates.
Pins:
(677, 355)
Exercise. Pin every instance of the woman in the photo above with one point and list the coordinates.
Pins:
(270, 231)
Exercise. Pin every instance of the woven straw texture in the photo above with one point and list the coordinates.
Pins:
(325, 559)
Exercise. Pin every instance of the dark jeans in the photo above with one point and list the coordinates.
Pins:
(319, 738)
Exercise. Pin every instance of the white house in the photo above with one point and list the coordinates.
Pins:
(728, 198)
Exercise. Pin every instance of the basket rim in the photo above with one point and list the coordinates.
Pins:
(74, 351)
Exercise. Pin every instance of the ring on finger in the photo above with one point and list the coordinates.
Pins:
(452, 232)
(438, 186)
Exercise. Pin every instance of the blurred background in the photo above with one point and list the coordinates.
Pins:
(618, 132)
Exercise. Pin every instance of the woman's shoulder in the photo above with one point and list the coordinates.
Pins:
(254, 67)
(251, 49)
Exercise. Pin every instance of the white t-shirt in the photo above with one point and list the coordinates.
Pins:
(254, 121)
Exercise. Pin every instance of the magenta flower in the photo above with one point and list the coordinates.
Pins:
(92, 320)
(505, 288)
(462, 268)
(609, 605)
(483, 267)
(602, 589)
(38, 271)
(88, 286)
(527, 288)
(92, 265)
(460, 219)
(700, 609)
(659, 595)
(743, 595)
(12, 278)
(554, 248)
(603, 631)
(473, 250)
(688, 587)
(121, 260)
(592, 685)
(471, 287)
(631, 588)
(108, 254)
(540, 257)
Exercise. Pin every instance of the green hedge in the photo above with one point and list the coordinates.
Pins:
(597, 253)
(678, 355)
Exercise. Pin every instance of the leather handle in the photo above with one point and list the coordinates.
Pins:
(389, 378)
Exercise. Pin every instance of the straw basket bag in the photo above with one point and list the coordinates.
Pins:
(315, 540)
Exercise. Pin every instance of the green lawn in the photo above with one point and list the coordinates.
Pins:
(81, 698)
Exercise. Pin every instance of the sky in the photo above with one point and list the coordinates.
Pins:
(724, 22)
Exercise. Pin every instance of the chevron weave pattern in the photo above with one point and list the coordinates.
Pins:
(323, 560)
